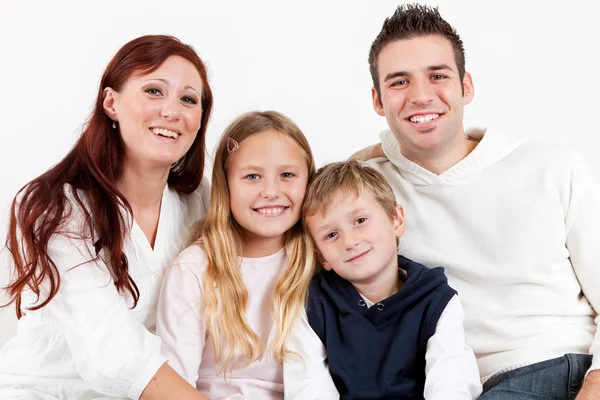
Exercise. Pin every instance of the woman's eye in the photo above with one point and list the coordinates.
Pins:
(189, 100)
(153, 91)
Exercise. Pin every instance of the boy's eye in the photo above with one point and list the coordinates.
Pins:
(252, 177)
(153, 91)
(360, 220)
(189, 100)
(330, 235)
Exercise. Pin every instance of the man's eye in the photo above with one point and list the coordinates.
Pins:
(437, 77)
(399, 83)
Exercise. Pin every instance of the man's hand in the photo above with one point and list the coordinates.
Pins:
(590, 390)
(368, 153)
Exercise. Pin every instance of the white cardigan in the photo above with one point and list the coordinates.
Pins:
(88, 342)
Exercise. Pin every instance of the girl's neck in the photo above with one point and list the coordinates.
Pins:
(256, 247)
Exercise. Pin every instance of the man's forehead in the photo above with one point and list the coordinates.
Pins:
(416, 54)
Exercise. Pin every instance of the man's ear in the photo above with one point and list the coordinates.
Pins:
(398, 221)
(468, 89)
(377, 106)
(109, 103)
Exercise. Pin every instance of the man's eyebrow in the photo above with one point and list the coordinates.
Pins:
(397, 74)
(439, 67)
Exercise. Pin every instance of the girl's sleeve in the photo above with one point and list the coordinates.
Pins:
(180, 320)
(306, 374)
(113, 352)
(451, 371)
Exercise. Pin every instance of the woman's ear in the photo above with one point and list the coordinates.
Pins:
(109, 103)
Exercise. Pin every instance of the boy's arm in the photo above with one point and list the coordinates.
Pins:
(451, 369)
(306, 375)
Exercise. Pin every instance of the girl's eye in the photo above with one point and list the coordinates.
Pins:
(288, 175)
(252, 177)
(331, 235)
(360, 220)
(153, 91)
(189, 100)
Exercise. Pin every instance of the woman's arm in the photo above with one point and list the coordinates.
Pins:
(167, 384)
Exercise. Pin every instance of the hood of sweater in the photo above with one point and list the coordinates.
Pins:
(420, 281)
(492, 147)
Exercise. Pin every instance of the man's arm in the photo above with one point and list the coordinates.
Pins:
(582, 225)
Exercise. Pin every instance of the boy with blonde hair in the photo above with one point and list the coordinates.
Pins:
(386, 326)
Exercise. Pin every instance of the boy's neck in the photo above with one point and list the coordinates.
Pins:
(383, 286)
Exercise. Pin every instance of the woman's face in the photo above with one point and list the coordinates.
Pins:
(158, 114)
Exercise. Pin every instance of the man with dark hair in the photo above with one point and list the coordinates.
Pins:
(515, 223)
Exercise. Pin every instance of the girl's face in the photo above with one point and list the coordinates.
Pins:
(158, 114)
(267, 178)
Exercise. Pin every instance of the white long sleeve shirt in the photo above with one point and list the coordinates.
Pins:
(516, 225)
(87, 342)
(182, 327)
(451, 371)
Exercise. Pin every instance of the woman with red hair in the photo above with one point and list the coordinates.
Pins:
(89, 240)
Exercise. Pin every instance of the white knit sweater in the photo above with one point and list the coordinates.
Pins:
(516, 224)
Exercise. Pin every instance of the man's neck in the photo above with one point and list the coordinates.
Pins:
(441, 160)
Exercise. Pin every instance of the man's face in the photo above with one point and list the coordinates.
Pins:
(422, 96)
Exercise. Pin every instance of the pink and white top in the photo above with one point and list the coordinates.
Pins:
(182, 326)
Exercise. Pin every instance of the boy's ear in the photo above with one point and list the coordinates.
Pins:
(398, 221)
(322, 261)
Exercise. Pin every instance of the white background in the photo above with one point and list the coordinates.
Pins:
(534, 65)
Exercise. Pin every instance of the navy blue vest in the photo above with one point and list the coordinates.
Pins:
(378, 352)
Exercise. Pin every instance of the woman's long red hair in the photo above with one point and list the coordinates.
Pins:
(93, 167)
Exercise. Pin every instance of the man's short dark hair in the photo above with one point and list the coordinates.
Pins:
(411, 21)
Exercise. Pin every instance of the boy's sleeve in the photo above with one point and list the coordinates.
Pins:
(451, 369)
(305, 374)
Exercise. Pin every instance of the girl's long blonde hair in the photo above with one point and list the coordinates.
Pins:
(221, 238)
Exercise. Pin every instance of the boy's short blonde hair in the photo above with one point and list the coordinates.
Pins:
(351, 177)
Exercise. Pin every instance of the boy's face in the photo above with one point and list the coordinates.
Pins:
(356, 238)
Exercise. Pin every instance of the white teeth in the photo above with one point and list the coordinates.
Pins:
(419, 119)
(271, 211)
(165, 132)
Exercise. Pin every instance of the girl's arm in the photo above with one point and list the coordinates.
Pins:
(451, 369)
(180, 319)
(306, 376)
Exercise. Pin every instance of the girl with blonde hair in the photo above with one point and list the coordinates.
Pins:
(230, 299)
